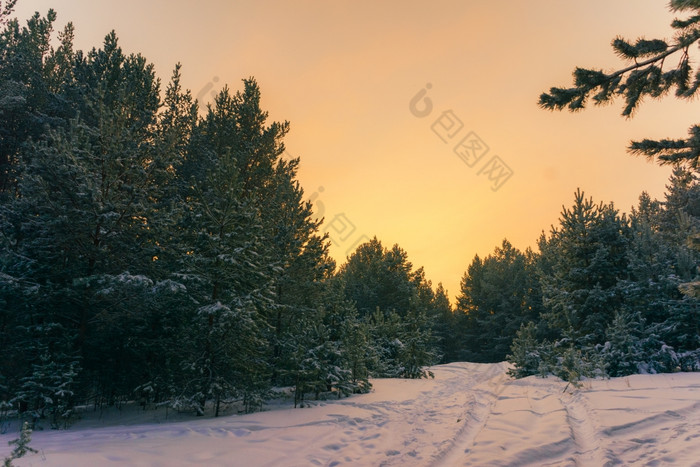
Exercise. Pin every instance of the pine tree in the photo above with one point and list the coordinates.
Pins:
(682, 197)
(498, 295)
(417, 349)
(396, 302)
(653, 327)
(327, 351)
(351, 336)
(28, 104)
(385, 333)
(358, 354)
(679, 224)
(445, 324)
(220, 265)
(315, 361)
(582, 267)
(528, 355)
(653, 264)
(184, 242)
(50, 389)
(583, 261)
(298, 255)
(83, 242)
(623, 351)
(378, 277)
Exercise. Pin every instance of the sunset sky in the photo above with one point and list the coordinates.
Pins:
(343, 73)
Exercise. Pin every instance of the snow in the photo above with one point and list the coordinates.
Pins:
(470, 414)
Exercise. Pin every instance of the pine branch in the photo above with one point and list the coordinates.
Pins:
(643, 78)
(6, 9)
(638, 83)
(671, 151)
(680, 5)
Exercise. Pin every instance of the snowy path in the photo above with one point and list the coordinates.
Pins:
(469, 415)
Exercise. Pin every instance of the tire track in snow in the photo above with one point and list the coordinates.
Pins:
(485, 392)
(408, 430)
(649, 439)
(585, 434)
(455, 395)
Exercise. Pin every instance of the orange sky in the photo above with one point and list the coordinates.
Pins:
(343, 73)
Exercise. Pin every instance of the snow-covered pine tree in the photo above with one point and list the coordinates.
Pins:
(394, 300)
(646, 76)
(350, 335)
(679, 224)
(49, 390)
(298, 256)
(377, 277)
(623, 352)
(650, 292)
(86, 211)
(681, 217)
(357, 352)
(498, 295)
(31, 85)
(682, 197)
(29, 107)
(417, 350)
(581, 266)
(220, 263)
(583, 261)
(528, 354)
(314, 361)
(385, 331)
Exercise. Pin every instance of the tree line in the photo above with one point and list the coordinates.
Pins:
(605, 294)
(156, 251)
(620, 294)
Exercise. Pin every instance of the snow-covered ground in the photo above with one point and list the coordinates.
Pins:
(470, 414)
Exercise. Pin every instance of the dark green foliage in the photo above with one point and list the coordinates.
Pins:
(28, 104)
(611, 291)
(416, 350)
(315, 362)
(526, 353)
(376, 277)
(398, 304)
(49, 390)
(6, 8)
(669, 150)
(85, 218)
(219, 262)
(357, 355)
(582, 263)
(650, 73)
(326, 353)
(445, 324)
(152, 253)
(623, 349)
(580, 267)
(498, 295)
